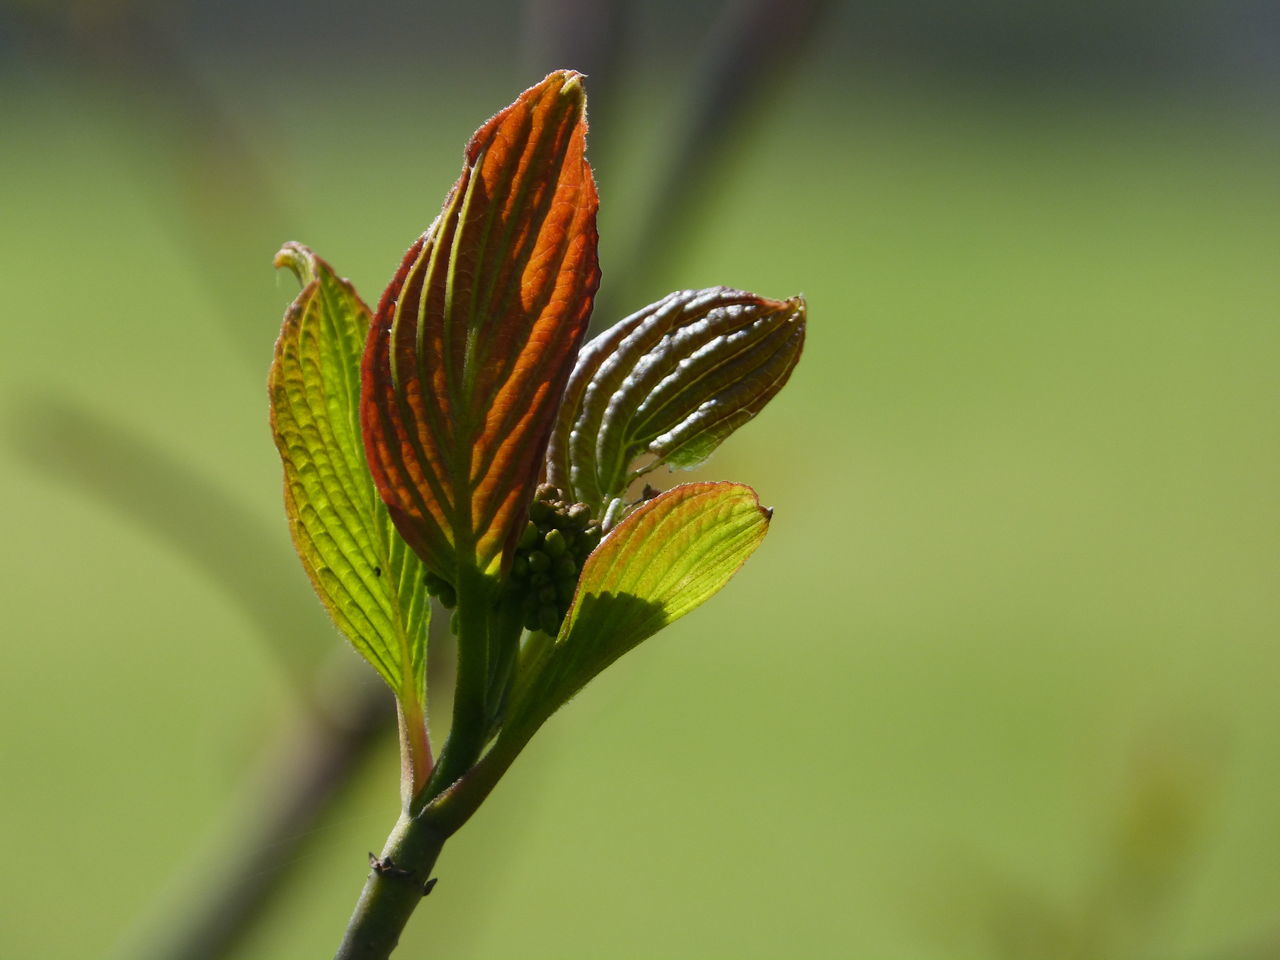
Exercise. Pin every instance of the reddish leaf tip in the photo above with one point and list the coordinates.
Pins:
(557, 91)
(796, 306)
(571, 87)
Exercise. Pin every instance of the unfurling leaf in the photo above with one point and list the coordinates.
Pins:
(475, 337)
(670, 383)
(667, 558)
(369, 580)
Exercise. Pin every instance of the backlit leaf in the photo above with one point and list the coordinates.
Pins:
(668, 384)
(664, 560)
(366, 575)
(475, 337)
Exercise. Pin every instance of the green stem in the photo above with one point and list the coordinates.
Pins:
(468, 731)
(393, 890)
(504, 647)
(396, 884)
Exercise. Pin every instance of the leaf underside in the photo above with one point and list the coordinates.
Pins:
(664, 560)
(365, 574)
(475, 337)
(669, 384)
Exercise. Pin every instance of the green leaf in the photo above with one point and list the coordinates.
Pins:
(476, 335)
(664, 560)
(669, 384)
(667, 558)
(367, 577)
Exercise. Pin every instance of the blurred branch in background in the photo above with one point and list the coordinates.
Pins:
(586, 35)
(180, 507)
(303, 779)
(754, 46)
(228, 216)
(346, 711)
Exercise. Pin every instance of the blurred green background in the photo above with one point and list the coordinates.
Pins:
(1002, 682)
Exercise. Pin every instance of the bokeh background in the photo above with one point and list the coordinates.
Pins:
(1002, 682)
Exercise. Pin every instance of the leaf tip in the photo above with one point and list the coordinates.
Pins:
(766, 513)
(571, 88)
(297, 258)
(794, 310)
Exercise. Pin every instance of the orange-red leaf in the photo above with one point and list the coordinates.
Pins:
(474, 339)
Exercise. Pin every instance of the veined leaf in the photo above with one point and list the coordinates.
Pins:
(664, 560)
(670, 383)
(475, 337)
(366, 575)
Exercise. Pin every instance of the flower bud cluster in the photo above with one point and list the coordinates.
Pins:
(552, 548)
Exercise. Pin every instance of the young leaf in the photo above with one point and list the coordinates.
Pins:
(667, 558)
(369, 580)
(671, 381)
(664, 560)
(475, 337)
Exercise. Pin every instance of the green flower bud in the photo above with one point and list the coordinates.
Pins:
(554, 544)
(565, 568)
(539, 562)
(519, 568)
(528, 536)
